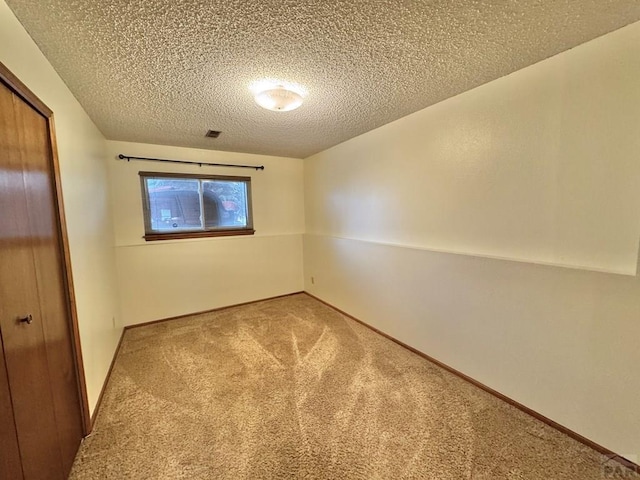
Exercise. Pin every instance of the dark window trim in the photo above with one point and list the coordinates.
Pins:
(150, 235)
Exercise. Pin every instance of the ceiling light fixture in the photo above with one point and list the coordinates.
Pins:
(279, 99)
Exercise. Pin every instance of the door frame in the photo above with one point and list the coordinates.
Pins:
(20, 89)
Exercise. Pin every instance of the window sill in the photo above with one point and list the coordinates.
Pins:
(152, 237)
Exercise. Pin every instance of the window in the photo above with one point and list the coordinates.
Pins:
(191, 206)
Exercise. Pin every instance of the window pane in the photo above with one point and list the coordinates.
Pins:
(174, 204)
(225, 203)
(194, 206)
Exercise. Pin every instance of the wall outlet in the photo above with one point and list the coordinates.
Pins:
(313, 281)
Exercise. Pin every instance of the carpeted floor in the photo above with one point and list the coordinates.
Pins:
(291, 389)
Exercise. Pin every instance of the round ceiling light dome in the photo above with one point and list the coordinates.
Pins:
(279, 99)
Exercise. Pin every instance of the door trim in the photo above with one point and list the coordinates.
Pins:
(20, 89)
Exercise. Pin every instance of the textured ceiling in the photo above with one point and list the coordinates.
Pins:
(166, 71)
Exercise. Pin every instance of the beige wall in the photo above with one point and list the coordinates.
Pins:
(162, 279)
(84, 183)
(449, 230)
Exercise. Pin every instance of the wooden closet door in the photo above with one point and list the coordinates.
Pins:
(33, 312)
(48, 260)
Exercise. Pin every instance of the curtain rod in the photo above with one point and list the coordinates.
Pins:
(128, 158)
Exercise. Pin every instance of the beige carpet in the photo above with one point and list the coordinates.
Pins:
(290, 389)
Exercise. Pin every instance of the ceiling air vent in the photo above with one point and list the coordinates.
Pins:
(213, 134)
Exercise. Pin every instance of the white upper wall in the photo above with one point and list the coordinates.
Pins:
(539, 166)
(86, 198)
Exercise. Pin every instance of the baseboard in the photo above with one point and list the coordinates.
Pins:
(106, 381)
(561, 428)
(211, 310)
